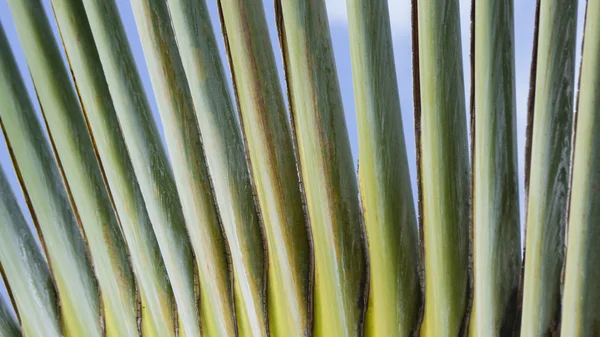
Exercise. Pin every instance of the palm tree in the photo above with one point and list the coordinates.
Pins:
(252, 222)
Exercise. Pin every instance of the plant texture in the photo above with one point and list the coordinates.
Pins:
(250, 219)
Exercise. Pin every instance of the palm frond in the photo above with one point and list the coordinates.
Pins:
(443, 166)
(581, 294)
(548, 169)
(496, 227)
(395, 295)
(251, 220)
(148, 157)
(325, 161)
(26, 270)
(97, 106)
(48, 203)
(268, 137)
(8, 325)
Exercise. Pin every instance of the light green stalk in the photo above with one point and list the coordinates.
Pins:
(26, 270)
(148, 157)
(229, 171)
(224, 149)
(496, 226)
(267, 132)
(78, 165)
(548, 169)
(155, 290)
(443, 165)
(395, 294)
(48, 202)
(193, 181)
(331, 191)
(8, 325)
(581, 294)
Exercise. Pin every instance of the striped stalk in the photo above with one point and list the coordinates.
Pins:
(325, 160)
(548, 165)
(496, 224)
(225, 154)
(26, 270)
(226, 161)
(79, 168)
(8, 325)
(192, 178)
(267, 132)
(442, 165)
(148, 157)
(153, 284)
(395, 294)
(581, 294)
(48, 203)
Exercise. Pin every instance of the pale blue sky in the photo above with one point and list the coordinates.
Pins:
(400, 19)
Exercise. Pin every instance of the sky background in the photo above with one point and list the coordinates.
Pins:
(400, 23)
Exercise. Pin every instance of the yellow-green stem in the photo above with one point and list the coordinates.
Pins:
(327, 171)
(395, 296)
(581, 292)
(443, 165)
(267, 133)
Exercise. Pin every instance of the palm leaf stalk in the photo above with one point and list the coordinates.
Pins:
(81, 174)
(191, 174)
(496, 227)
(223, 148)
(148, 157)
(548, 167)
(581, 294)
(26, 270)
(244, 237)
(387, 201)
(219, 129)
(155, 290)
(48, 203)
(442, 165)
(325, 161)
(227, 163)
(8, 325)
(267, 133)
(80, 170)
(255, 224)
